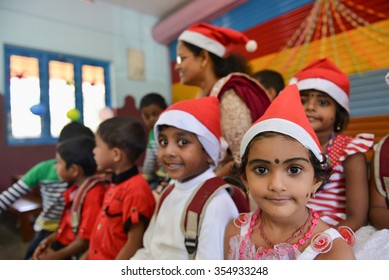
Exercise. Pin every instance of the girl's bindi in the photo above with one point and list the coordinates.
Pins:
(277, 161)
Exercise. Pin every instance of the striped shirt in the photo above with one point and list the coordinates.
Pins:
(330, 202)
(45, 176)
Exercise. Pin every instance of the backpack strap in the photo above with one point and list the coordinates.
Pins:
(164, 194)
(194, 212)
(381, 167)
(78, 201)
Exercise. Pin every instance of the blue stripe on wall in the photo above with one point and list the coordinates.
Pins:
(256, 12)
(369, 93)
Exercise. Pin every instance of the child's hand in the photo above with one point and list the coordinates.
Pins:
(39, 251)
(47, 254)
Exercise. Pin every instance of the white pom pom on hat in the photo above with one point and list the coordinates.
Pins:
(251, 46)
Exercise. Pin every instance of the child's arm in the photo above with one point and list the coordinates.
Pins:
(379, 211)
(134, 241)
(340, 251)
(357, 191)
(231, 230)
(78, 246)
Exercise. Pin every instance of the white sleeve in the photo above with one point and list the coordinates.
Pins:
(219, 212)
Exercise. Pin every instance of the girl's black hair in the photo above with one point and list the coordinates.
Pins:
(125, 133)
(223, 66)
(79, 151)
(321, 170)
(342, 118)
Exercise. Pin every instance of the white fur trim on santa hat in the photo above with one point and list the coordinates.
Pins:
(203, 42)
(285, 127)
(326, 86)
(183, 120)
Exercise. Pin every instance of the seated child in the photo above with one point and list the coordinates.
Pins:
(282, 167)
(325, 94)
(129, 202)
(75, 165)
(151, 106)
(189, 147)
(44, 176)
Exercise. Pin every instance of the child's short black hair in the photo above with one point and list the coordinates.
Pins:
(153, 98)
(270, 78)
(126, 133)
(79, 151)
(74, 129)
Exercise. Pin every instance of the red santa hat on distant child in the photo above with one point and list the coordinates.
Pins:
(286, 115)
(200, 116)
(325, 76)
(215, 39)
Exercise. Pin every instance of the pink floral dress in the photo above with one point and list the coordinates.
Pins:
(242, 248)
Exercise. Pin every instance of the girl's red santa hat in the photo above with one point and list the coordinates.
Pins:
(215, 39)
(200, 116)
(325, 76)
(286, 115)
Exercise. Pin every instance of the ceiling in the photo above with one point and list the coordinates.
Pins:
(158, 8)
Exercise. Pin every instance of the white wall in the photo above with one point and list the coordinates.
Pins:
(98, 30)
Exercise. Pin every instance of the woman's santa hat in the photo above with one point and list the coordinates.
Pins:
(325, 76)
(286, 115)
(200, 116)
(215, 39)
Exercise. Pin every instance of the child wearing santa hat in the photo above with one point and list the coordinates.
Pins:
(282, 166)
(188, 134)
(325, 95)
(205, 58)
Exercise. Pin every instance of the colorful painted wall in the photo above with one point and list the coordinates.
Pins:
(352, 33)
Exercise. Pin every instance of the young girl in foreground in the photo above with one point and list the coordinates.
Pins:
(281, 168)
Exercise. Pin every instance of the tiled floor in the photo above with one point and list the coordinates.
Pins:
(11, 245)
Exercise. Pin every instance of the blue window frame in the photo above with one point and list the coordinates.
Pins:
(40, 85)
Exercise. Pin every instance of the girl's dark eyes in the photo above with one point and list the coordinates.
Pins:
(294, 170)
(323, 102)
(263, 170)
(260, 170)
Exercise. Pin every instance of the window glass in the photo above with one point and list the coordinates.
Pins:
(93, 93)
(45, 91)
(25, 94)
(62, 94)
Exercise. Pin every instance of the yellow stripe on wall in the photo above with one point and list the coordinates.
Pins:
(353, 52)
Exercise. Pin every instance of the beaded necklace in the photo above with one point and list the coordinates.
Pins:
(290, 238)
(313, 217)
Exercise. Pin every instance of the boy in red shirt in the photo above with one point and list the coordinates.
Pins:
(75, 164)
(129, 202)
